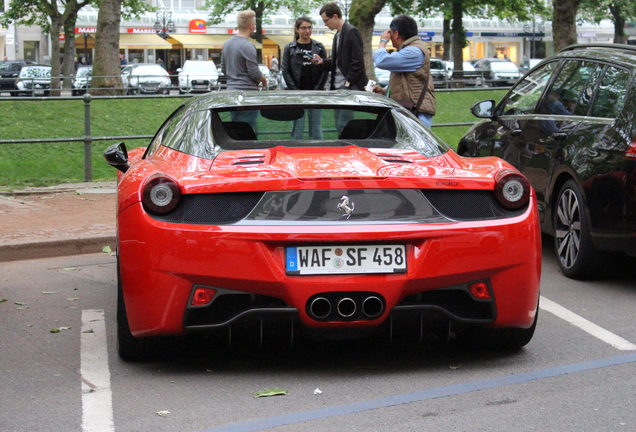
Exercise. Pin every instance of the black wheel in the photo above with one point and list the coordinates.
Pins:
(577, 256)
(129, 347)
(499, 339)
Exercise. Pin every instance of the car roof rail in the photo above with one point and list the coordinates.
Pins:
(600, 45)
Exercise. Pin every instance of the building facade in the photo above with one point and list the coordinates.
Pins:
(182, 23)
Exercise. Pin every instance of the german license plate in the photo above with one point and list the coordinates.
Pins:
(314, 260)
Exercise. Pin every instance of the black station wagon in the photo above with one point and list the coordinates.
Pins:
(569, 126)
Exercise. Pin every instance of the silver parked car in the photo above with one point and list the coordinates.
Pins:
(498, 72)
(145, 78)
(199, 76)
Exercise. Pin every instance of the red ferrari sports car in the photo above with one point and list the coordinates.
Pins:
(242, 216)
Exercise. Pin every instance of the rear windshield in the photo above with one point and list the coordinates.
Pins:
(206, 133)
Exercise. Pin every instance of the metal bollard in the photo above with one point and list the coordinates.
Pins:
(88, 140)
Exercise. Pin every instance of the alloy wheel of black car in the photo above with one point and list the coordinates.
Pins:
(577, 256)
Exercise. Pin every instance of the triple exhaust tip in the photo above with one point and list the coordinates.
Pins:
(321, 307)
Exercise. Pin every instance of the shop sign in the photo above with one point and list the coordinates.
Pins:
(141, 30)
(198, 25)
(80, 30)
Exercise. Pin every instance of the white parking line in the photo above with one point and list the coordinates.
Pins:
(585, 325)
(97, 400)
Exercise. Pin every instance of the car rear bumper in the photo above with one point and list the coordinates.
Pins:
(161, 263)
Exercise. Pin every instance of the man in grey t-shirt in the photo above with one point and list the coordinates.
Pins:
(238, 60)
(239, 64)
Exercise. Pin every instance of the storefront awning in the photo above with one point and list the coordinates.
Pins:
(275, 41)
(84, 43)
(327, 41)
(192, 41)
(281, 40)
(142, 41)
(375, 41)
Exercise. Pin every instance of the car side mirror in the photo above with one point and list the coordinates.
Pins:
(484, 109)
(116, 156)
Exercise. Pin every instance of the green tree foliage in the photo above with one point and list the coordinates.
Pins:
(619, 11)
(106, 70)
(221, 8)
(53, 16)
(455, 10)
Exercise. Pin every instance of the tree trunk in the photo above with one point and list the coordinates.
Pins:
(363, 14)
(564, 23)
(258, 35)
(68, 65)
(448, 37)
(459, 42)
(55, 56)
(619, 24)
(106, 69)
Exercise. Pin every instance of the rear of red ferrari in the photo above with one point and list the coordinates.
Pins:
(333, 238)
(352, 252)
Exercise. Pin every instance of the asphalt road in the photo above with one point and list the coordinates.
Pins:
(578, 373)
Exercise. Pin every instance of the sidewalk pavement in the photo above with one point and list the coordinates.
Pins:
(67, 219)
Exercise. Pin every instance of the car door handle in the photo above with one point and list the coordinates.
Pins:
(559, 136)
(516, 132)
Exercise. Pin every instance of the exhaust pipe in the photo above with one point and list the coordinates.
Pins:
(372, 307)
(320, 307)
(346, 307)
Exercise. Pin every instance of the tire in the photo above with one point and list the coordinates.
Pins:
(499, 339)
(129, 347)
(576, 254)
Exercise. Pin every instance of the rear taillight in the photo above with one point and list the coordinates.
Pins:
(630, 153)
(161, 195)
(512, 190)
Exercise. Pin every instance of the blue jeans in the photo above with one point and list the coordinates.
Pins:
(342, 117)
(315, 125)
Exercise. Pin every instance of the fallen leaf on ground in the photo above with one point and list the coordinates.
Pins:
(58, 330)
(106, 249)
(271, 392)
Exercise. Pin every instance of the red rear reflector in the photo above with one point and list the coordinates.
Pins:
(479, 291)
(630, 153)
(202, 296)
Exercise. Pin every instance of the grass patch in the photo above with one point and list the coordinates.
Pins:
(54, 163)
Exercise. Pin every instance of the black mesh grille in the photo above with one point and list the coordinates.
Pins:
(212, 209)
(469, 205)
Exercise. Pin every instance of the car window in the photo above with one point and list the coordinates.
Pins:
(524, 96)
(574, 77)
(611, 94)
(35, 72)
(205, 133)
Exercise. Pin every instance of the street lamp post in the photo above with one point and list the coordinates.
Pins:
(536, 27)
(85, 47)
(164, 24)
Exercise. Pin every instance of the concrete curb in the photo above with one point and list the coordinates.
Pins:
(53, 248)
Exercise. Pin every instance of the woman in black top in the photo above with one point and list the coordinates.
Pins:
(300, 74)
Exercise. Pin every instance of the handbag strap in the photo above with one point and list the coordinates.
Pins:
(424, 90)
